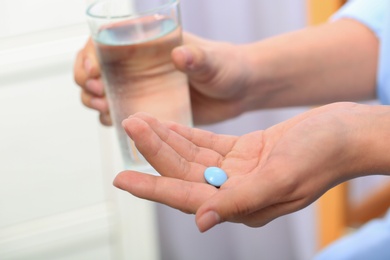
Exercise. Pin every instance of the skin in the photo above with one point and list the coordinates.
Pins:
(271, 172)
(318, 65)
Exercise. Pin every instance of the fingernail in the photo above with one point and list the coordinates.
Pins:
(188, 57)
(87, 65)
(118, 182)
(105, 119)
(208, 220)
(124, 123)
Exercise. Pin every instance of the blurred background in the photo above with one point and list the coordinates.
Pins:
(57, 162)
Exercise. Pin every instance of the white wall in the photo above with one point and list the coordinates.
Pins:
(56, 161)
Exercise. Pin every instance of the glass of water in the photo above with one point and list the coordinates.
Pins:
(134, 40)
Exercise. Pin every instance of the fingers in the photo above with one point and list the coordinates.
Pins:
(87, 76)
(229, 205)
(86, 65)
(154, 144)
(95, 102)
(105, 119)
(254, 200)
(95, 87)
(179, 194)
(222, 144)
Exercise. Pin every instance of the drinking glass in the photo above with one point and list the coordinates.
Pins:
(134, 40)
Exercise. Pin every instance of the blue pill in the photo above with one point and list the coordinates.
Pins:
(215, 176)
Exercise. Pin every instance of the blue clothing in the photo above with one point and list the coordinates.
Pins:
(372, 241)
(375, 14)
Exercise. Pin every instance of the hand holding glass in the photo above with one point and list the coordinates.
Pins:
(134, 40)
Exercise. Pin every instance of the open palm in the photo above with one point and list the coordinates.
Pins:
(270, 173)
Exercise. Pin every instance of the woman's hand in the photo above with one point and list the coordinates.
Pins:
(88, 76)
(218, 77)
(216, 73)
(270, 173)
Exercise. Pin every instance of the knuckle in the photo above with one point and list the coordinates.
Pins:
(85, 99)
(105, 119)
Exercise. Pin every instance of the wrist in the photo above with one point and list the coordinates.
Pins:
(372, 140)
(264, 75)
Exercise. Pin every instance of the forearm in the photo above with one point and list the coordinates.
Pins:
(328, 63)
(371, 137)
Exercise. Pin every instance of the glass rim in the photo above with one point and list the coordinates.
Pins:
(170, 3)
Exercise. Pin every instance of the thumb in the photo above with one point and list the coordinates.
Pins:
(234, 204)
(196, 62)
